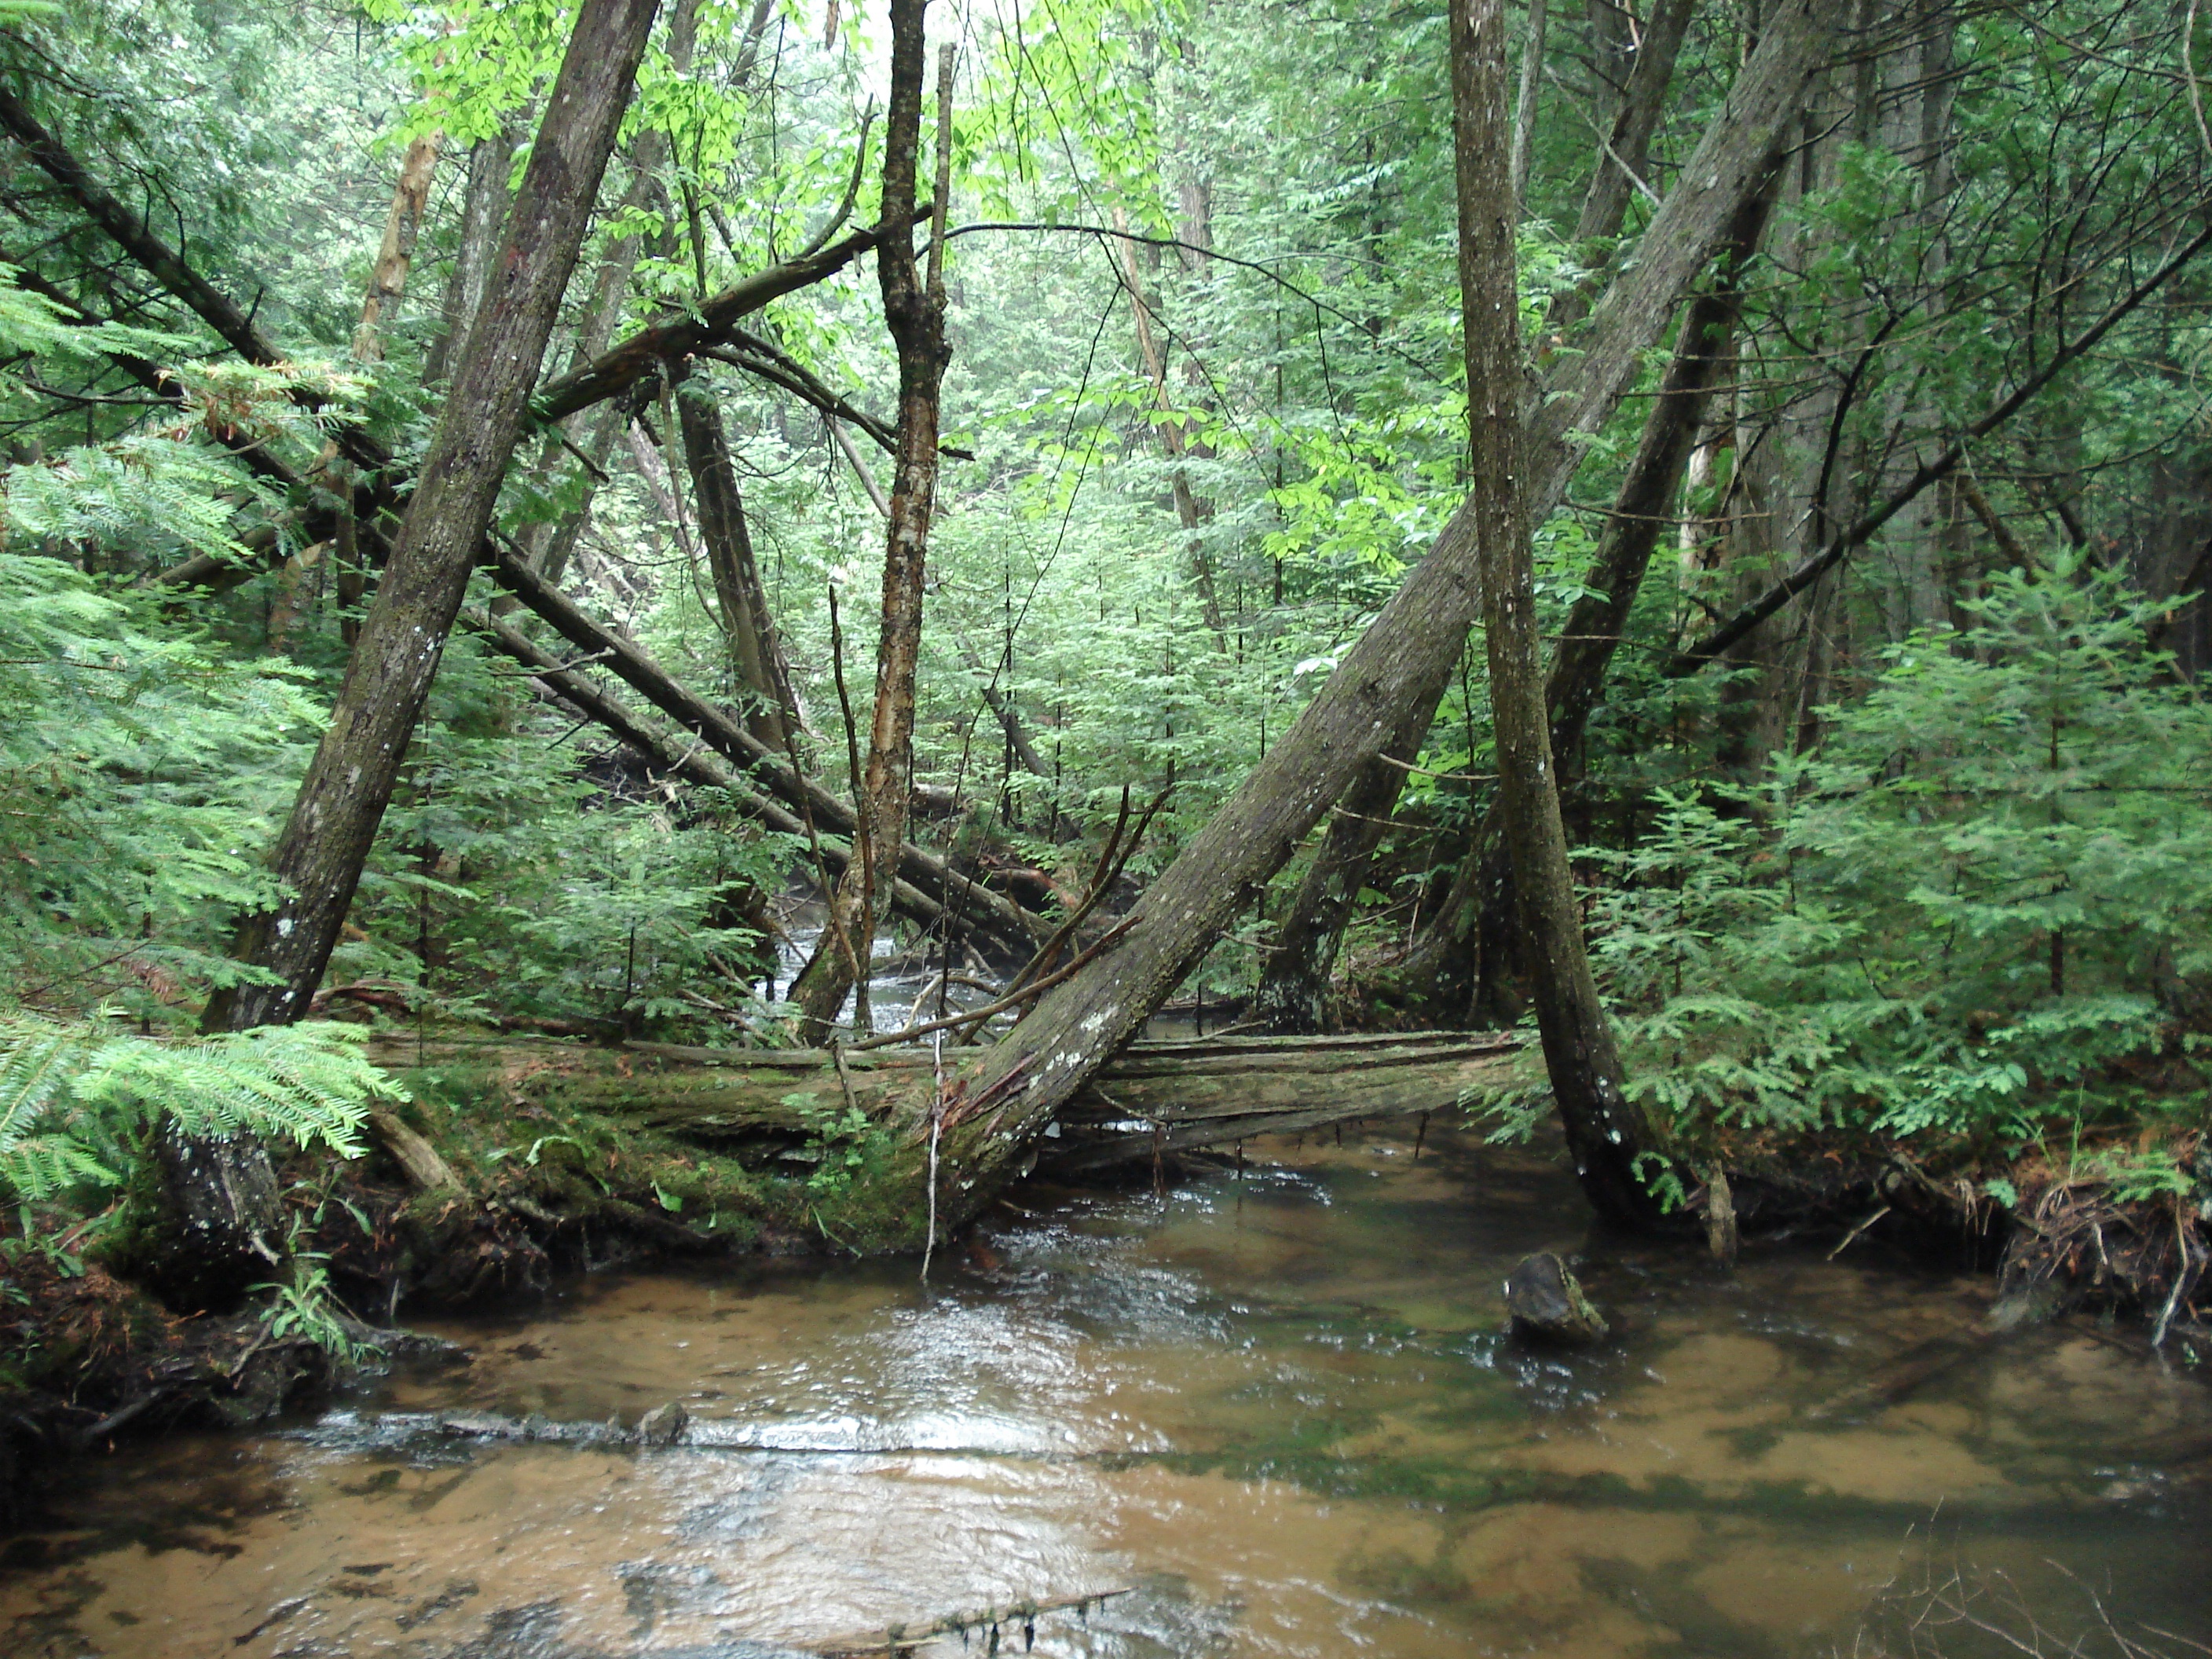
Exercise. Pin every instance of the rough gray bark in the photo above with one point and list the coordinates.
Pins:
(1606, 1132)
(1724, 171)
(350, 780)
(484, 210)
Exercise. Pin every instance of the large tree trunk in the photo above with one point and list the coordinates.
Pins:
(913, 312)
(320, 856)
(1606, 1132)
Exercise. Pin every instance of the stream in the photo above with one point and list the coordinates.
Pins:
(1275, 1410)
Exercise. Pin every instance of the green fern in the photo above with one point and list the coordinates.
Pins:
(72, 1096)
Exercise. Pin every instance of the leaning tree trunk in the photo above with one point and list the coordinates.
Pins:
(349, 782)
(1405, 656)
(737, 588)
(1605, 1131)
(913, 312)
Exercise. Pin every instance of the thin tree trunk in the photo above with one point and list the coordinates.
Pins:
(721, 513)
(1192, 511)
(388, 281)
(1624, 157)
(1292, 996)
(914, 312)
(1605, 1131)
(1524, 104)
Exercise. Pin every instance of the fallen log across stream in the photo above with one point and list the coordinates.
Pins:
(1154, 1098)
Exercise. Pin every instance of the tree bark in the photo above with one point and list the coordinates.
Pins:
(1524, 103)
(1606, 1132)
(1624, 157)
(737, 589)
(350, 780)
(914, 312)
(484, 211)
(1292, 995)
(388, 280)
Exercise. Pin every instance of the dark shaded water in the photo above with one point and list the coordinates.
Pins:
(1279, 1413)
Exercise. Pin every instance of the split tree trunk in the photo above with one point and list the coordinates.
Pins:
(913, 312)
(1605, 1131)
(737, 589)
(319, 857)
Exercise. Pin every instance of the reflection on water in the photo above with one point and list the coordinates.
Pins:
(1277, 1411)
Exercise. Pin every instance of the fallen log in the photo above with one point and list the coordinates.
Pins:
(1161, 1097)
(1152, 1099)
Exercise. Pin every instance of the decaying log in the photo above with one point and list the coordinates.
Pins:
(1159, 1097)
(1153, 1098)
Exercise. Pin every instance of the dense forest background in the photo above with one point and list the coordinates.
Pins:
(1876, 695)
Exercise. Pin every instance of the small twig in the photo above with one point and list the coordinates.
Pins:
(1851, 1237)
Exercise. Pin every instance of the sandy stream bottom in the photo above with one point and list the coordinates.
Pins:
(1277, 1413)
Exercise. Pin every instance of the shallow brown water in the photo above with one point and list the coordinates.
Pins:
(1278, 1413)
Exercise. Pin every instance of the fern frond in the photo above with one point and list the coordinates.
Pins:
(70, 1094)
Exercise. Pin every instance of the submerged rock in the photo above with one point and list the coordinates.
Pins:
(663, 1426)
(1545, 1303)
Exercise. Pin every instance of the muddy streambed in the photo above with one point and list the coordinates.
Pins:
(1277, 1411)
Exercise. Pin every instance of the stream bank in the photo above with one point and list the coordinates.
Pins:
(1279, 1412)
(515, 1163)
